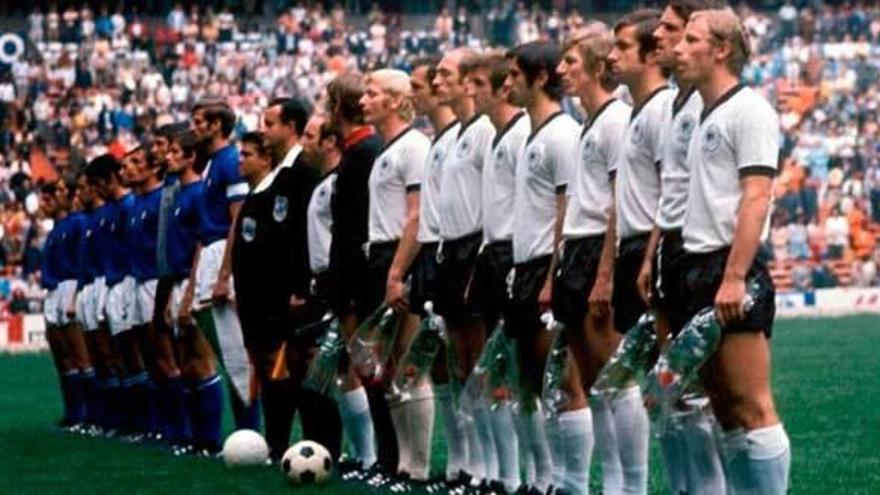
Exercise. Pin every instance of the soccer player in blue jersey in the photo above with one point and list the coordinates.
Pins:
(210, 292)
(109, 262)
(196, 357)
(58, 277)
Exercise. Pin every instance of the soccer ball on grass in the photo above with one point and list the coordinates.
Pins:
(307, 463)
(245, 448)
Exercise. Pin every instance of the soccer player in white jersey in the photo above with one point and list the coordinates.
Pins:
(424, 271)
(634, 61)
(690, 452)
(733, 159)
(488, 288)
(393, 225)
(542, 174)
(460, 211)
(583, 285)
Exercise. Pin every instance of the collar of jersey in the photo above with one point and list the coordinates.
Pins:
(291, 156)
(267, 181)
(357, 136)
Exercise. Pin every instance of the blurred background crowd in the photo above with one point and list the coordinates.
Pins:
(78, 80)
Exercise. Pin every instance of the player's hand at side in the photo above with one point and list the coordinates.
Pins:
(222, 291)
(599, 300)
(545, 297)
(729, 301)
(184, 314)
(394, 294)
(71, 309)
(643, 282)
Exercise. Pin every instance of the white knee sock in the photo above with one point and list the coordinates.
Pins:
(418, 412)
(526, 456)
(401, 432)
(358, 424)
(705, 471)
(483, 423)
(506, 445)
(633, 430)
(456, 443)
(758, 461)
(576, 438)
(540, 449)
(476, 465)
(674, 454)
(557, 450)
(606, 445)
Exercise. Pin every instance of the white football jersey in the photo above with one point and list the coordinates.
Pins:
(637, 185)
(499, 178)
(589, 193)
(460, 203)
(318, 224)
(429, 216)
(396, 171)
(542, 171)
(737, 136)
(674, 173)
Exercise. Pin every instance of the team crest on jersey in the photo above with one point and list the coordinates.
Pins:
(637, 131)
(535, 156)
(464, 148)
(711, 138)
(177, 212)
(144, 216)
(589, 151)
(102, 222)
(384, 164)
(686, 127)
(248, 229)
(499, 154)
(279, 211)
(436, 158)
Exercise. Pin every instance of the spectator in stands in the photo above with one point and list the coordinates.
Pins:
(801, 277)
(823, 276)
(779, 238)
(837, 234)
(798, 248)
(864, 272)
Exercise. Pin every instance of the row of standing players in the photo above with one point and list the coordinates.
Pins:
(512, 210)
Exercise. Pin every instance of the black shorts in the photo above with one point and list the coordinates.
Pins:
(346, 279)
(455, 263)
(667, 283)
(702, 277)
(574, 279)
(423, 287)
(628, 304)
(488, 292)
(319, 287)
(379, 259)
(523, 315)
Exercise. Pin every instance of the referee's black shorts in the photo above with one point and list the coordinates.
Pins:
(523, 314)
(575, 277)
(703, 274)
(346, 279)
(488, 291)
(424, 278)
(628, 304)
(380, 256)
(456, 259)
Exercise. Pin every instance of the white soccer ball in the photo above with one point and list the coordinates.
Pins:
(245, 448)
(307, 463)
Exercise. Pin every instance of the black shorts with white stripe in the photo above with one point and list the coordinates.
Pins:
(575, 277)
(455, 263)
(380, 256)
(488, 290)
(424, 278)
(523, 314)
(628, 304)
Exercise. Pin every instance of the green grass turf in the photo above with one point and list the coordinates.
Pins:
(825, 377)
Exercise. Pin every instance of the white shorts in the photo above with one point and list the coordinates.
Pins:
(99, 296)
(57, 301)
(176, 299)
(210, 260)
(120, 306)
(85, 308)
(144, 302)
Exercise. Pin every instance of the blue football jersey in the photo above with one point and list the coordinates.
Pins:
(223, 185)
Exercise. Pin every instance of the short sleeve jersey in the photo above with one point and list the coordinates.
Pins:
(183, 229)
(396, 172)
(737, 136)
(119, 265)
(638, 169)
(542, 171)
(223, 186)
(460, 201)
(429, 216)
(674, 173)
(320, 223)
(499, 178)
(144, 225)
(590, 197)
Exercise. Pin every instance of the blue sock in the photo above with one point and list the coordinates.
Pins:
(175, 411)
(90, 396)
(110, 391)
(207, 399)
(136, 402)
(65, 381)
(77, 398)
(152, 411)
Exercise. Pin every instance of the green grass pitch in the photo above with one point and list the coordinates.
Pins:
(826, 379)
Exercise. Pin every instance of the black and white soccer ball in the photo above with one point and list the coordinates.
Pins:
(307, 463)
(245, 448)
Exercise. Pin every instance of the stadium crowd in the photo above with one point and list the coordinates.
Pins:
(268, 140)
